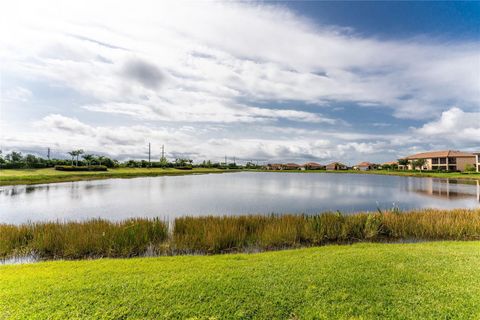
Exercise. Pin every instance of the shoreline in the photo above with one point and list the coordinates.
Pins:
(12, 177)
(50, 175)
(416, 174)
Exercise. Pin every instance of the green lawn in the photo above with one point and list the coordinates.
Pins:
(35, 176)
(437, 280)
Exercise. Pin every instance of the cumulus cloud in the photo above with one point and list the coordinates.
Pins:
(454, 125)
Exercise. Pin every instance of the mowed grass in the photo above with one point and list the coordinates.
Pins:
(438, 280)
(49, 175)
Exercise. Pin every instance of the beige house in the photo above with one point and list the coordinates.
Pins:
(364, 166)
(336, 166)
(312, 166)
(443, 160)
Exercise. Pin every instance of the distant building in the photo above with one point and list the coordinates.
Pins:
(364, 166)
(443, 160)
(290, 166)
(336, 166)
(313, 166)
(477, 162)
(274, 166)
(283, 166)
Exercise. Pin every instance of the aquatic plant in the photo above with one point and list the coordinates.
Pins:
(222, 234)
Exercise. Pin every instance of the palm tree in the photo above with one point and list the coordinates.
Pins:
(403, 162)
(88, 158)
(72, 153)
(100, 159)
(78, 153)
(419, 163)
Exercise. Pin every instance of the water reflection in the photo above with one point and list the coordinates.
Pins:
(234, 193)
(450, 189)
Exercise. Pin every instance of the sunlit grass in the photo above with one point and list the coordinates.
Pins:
(432, 280)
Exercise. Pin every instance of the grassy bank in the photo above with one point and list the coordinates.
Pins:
(443, 175)
(363, 281)
(50, 175)
(208, 235)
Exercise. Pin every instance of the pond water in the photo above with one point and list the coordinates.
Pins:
(232, 193)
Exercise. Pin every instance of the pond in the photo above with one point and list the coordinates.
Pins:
(232, 193)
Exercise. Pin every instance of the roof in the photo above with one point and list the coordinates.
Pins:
(336, 163)
(364, 164)
(313, 164)
(441, 154)
(291, 165)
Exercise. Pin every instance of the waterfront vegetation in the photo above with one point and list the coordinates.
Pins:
(222, 234)
(430, 280)
(50, 175)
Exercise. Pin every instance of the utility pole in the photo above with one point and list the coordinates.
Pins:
(163, 151)
(234, 160)
(48, 153)
(149, 154)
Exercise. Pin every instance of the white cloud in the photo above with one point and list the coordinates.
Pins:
(454, 125)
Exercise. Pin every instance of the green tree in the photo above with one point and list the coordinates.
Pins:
(88, 158)
(14, 157)
(72, 153)
(163, 162)
(403, 162)
(78, 153)
(419, 163)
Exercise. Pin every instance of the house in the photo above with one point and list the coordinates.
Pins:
(313, 166)
(290, 166)
(364, 166)
(274, 166)
(336, 166)
(447, 160)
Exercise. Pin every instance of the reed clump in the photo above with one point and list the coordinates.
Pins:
(93, 238)
(221, 234)
(242, 233)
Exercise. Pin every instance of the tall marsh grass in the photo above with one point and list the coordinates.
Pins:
(221, 234)
(237, 233)
(93, 238)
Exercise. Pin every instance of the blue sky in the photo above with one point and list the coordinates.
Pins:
(267, 81)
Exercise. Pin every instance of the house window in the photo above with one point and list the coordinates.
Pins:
(452, 160)
(443, 160)
(435, 161)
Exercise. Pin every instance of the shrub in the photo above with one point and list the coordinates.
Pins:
(82, 168)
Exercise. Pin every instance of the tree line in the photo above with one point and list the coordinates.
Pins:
(79, 158)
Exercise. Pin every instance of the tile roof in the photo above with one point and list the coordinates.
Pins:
(364, 164)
